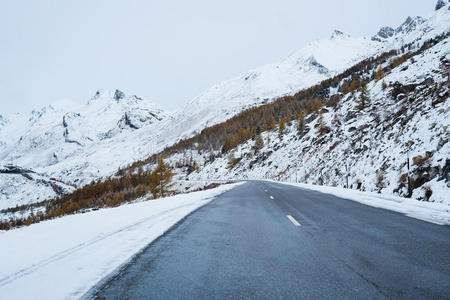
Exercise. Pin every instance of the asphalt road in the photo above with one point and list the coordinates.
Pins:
(244, 245)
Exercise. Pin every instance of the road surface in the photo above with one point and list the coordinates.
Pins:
(265, 240)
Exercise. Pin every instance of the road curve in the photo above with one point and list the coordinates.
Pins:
(264, 240)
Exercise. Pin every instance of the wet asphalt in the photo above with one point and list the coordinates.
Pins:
(242, 245)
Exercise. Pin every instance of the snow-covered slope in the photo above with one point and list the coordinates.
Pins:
(76, 144)
(406, 121)
(72, 143)
(22, 186)
(319, 60)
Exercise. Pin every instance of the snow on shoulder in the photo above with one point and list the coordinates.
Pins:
(63, 258)
(437, 213)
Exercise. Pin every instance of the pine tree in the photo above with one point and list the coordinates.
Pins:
(300, 120)
(227, 145)
(316, 105)
(321, 128)
(364, 100)
(281, 127)
(259, 143)
(345, 87)
(379, 74)
(232, 161)
(192, 167)
(355, 84)
(160, 179)
(271, 123)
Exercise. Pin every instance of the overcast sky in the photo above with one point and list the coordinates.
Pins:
(166, 51)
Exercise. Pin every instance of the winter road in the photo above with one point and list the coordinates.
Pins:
(265, 240)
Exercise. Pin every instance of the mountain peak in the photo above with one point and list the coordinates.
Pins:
(410, 24)
(118, 94)
(338, 34)
(440, 4)
(386, 32)
(313, 63)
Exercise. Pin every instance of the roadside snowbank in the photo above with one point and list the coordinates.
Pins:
(437, 213)
(63, 258)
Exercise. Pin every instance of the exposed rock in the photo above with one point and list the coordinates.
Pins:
(350, 115)
(409, 25)
(118, 95)
(440, 4)
(384, 33)
(12, 169)
(313, 63)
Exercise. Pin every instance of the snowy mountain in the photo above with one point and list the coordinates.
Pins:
(406, 123)
(64, 130)
(317, 61)
(369, 149)
(76, 144)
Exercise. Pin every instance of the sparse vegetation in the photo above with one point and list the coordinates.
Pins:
(363, 100)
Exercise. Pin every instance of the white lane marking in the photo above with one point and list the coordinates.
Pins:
(294, 221)
(271, 197)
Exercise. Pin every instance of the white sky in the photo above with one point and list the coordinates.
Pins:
(166, 51)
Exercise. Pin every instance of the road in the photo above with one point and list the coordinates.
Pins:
(265, 240)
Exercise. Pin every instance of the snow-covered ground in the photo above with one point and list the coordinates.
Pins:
(437, 213)
(28, 189)
(63, 258)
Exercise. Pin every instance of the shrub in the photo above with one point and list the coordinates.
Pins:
(420, 160)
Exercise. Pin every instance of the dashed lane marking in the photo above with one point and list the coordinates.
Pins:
(294, 221)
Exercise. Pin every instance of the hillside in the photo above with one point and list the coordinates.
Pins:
(368, 148)
(340, 144)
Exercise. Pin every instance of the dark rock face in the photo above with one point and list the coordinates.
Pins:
(409, 25)
(128, 122)
(314, 64)
(399, 89)
(440, 4)
(350, 115)
(2, 120)
(336, 33)
(118, 95)
(386, 32)
(12, 169)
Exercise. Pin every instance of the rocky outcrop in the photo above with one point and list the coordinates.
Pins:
(384, 33)
(440, 4)
(408, 26)
(119, 95)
